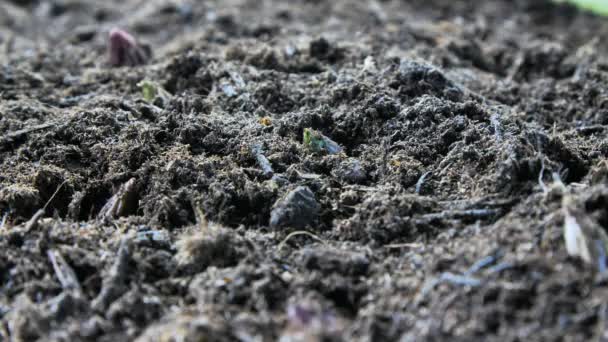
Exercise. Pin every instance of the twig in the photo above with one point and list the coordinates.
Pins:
(458, 279)
(500, 267)
(54, 194)
(591, 129)
(485, 202)
(451, 278)
(462, 214)
(540, 176)
(64, 272)
(490, 259)
(485, 262)
(601, 258)
(403, 245)
(299, 232)
(360, 188)
(519, 61)
(16, 134)
(33, 222)
(115, 284)
(3, 222)
(466, 279)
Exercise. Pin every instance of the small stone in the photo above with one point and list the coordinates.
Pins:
(297, 209)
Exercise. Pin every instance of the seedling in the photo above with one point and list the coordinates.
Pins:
(317, 142)
(125, 50)
(150, 90)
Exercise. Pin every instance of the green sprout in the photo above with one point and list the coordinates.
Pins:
(597, 6)
(317, 142)
(150, 90)
(313, 140)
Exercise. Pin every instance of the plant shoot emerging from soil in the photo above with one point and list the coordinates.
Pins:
(317, 142)
(151, 90)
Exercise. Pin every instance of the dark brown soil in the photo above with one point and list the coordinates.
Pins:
(204, 215)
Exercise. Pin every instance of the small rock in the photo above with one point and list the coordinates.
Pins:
(297, 209)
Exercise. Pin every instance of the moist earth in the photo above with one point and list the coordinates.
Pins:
(425, 205)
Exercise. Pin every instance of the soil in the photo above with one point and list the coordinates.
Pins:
(424, 204)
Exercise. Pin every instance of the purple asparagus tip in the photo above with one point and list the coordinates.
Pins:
(125, 50)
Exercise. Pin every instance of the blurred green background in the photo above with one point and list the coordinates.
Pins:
(597, 6)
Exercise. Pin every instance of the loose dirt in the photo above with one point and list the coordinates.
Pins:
(424, 204)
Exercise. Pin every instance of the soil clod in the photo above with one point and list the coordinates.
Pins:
(298, 209)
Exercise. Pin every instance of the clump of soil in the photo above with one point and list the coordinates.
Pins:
(182, 195)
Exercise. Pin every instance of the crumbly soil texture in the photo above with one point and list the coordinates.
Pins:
(306, 170)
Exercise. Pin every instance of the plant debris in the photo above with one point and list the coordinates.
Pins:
(122, 203)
